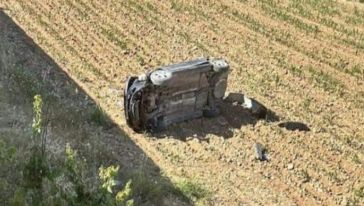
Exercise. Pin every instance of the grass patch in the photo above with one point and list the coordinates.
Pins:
(27, 84)
(325, 7)
(185, 36)
(112, 36)
(70, 48)
(140, 60)
(278, 13)
(99, 117)
(136, 5)
(356, 159)
(333, 176)
(148, 14)
(83, 13)
(305, 176)
(306, 104)
(297, 7)
(325, 81)
(355, 20)
(8, 162)
(145, 190)
(192, 190)
(296, 71)
(357, 71)
(177, 5)
(247, 20)
(152, 8)
(283, 37)
(352, 36)
(359, 192)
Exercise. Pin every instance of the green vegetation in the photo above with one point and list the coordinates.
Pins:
(326, 7)
(359, 192)
(140, 60)
(114, 37)
(83, 13)
(296, 71)
(357, 71)
(26, 82)
(280, 14)
(305, 176)
(8, 158)
(177, 5)
(43, 179)
(297, 7)
(325, 81)
(356, 159)
(326, 10)
(99, 117)
(282, 36)
(192, 189)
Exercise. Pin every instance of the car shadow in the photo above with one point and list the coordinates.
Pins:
(294, 126)
(233, 115)
(74, 117)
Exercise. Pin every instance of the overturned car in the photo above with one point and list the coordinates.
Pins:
(176, 93)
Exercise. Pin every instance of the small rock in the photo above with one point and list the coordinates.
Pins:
(290, 166)
(259, 152)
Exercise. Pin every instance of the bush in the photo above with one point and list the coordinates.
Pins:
(45, 179)
(69, 182)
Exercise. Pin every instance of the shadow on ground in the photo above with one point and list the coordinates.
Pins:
(74, 117)
(233, 115)
(294, 126)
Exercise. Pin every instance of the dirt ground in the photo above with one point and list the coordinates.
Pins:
(304, 60)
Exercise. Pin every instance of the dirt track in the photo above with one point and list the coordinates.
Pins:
(304, 61)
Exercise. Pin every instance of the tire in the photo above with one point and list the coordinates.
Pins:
(160, 77)
(219, 65)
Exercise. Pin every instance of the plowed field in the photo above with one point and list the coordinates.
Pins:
(304, 60)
